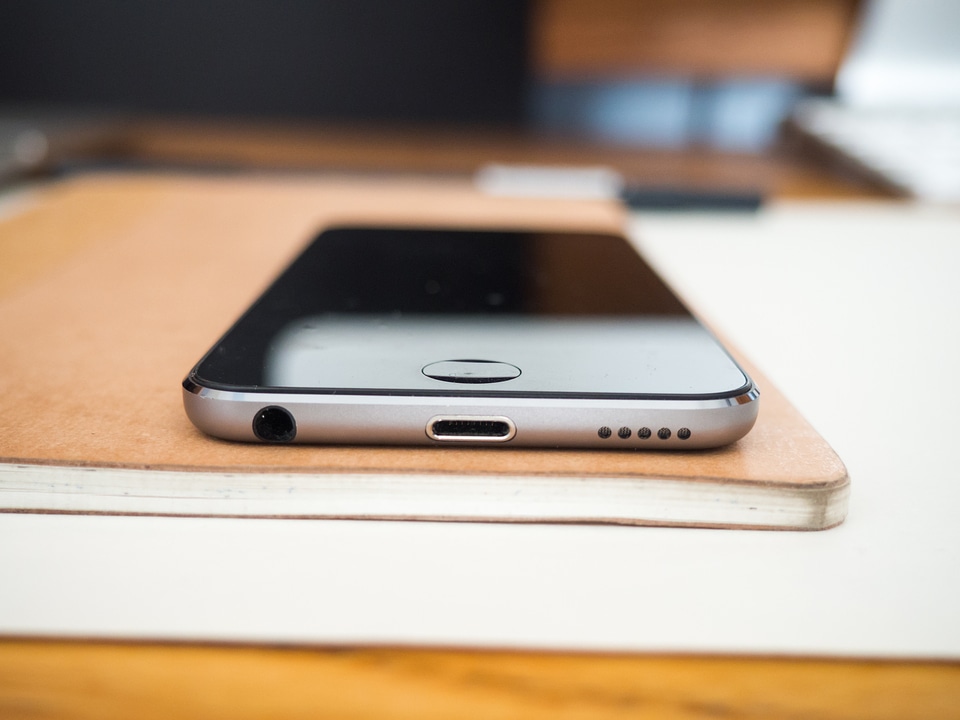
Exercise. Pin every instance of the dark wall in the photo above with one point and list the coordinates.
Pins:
(460, 61)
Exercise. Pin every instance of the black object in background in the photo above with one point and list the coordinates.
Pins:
(455, 61)
(639, 198)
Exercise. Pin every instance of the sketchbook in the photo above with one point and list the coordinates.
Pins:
(111, 286)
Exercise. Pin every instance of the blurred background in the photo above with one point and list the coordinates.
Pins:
(742, 96)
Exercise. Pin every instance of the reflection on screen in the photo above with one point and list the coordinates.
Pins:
(368, 309)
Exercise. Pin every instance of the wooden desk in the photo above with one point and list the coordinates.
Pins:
(51, 678)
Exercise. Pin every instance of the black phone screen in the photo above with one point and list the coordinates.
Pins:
(368, 309)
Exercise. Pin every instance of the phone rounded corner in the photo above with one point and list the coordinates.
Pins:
(202, 409)
(190, 385)
(748, 404)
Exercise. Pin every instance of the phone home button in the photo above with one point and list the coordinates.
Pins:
(471, 371)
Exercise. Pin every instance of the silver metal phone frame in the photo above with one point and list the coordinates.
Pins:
(371, 419)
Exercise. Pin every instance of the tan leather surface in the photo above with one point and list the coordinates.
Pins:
(112, 286)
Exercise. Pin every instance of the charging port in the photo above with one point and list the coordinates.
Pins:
(469, 428)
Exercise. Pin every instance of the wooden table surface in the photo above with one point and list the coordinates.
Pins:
(59, 679)
(48, 678)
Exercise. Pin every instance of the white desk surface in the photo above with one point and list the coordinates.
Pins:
(853, 310)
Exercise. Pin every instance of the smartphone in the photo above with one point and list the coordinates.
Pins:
(428, 336)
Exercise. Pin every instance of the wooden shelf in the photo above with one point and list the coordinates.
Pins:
(305, 147)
